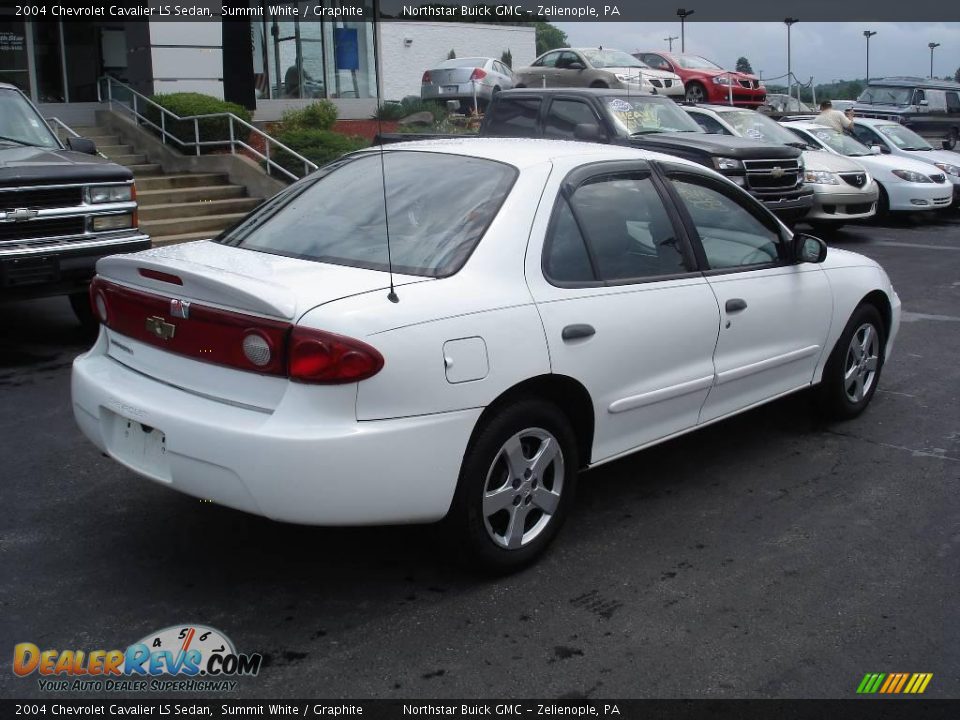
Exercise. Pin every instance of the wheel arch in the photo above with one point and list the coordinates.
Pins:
(564, 391)
(879, 299)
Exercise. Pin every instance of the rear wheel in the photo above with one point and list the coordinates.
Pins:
(853, 369)
(696, 93)
(516, 485)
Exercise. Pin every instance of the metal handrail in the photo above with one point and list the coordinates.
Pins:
(69, 130)
(233, 142)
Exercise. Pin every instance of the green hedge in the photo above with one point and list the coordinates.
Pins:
(319, 146)
(185, 104)
(320, 115)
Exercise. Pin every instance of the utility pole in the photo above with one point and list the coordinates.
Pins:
(670, 40)
(683, 15)
(789, 22)
(932, 46)
(868, 34)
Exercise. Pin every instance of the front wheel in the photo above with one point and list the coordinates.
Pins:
(951, 142)
(516, 485)
(853, 369)
(696, 93)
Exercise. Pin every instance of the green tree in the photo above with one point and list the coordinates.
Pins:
(743, 65)
(549, 37)
(451, 55)
(956, 75)
(507, 58)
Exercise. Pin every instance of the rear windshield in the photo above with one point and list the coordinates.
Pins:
(463, 62)
(439, 206)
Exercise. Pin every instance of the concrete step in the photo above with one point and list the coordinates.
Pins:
(130, 160)
(185, 180)
(176, 226)
(161, 240)
(147, 169)
(197, 209)
(146, 198)
(111, 150)
(90, 130)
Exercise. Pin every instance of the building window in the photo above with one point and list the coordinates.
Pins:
(302, 59)
(14, 63)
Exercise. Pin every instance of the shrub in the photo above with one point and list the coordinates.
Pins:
(319, 146)
(186, 104)
(507, 58)
(393, 110)
(320, 115)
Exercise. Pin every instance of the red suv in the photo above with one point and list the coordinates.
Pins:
(707, 82)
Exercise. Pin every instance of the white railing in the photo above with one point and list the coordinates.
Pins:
(68, 130)
(116, 91)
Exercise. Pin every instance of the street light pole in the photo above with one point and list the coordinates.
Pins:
(868, 34)
(789, 22)
(670, 40)
(932, 46)
(683, 15)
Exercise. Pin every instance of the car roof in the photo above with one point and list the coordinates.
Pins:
(806, 125)
(600, 92)
(8, 86)
(719, 108)
(525, 152)
(914, 82)
(874, 122)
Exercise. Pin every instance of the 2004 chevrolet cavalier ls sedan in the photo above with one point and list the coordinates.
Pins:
(560, 305)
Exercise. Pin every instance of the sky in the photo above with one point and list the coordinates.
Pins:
(827, 51)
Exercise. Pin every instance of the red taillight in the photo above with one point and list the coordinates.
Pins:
(236, 340)
(161, 276)
(316, 356)
(426, 77)
(478, 74)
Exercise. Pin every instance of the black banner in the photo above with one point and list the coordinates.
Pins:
(503, 709)
(519, 11)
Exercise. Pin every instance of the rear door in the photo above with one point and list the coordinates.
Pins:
(624, 309)
(774, 314)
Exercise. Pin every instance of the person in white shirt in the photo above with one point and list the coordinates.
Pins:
(833, 118)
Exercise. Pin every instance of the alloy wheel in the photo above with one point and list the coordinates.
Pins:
(522, 490)
(860, 367)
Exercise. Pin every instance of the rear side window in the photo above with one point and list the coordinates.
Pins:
(564, 116)
(339, 217)
(953, 102)
(515, 117)
(629, 235)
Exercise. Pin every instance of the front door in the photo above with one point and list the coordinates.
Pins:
(774, 314)
(623, 308)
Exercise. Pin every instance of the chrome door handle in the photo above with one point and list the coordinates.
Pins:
(577, 332)
(735, 305)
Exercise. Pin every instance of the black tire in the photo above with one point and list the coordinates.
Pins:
(692, 90)
(485, 469)
(883, 204)
(80, 303)
(834, 400)
(599, 84)
(951, 142)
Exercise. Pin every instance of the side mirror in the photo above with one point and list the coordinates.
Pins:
(589, 132)
(876, 150)
(808, 249)
(83, 145)
(576, 66)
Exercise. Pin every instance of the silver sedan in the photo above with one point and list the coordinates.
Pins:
(469, 80)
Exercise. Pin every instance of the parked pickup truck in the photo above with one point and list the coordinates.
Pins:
(61, 209)
(771, 173)
(931, 108)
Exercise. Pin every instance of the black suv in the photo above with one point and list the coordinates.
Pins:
(60, 209)
(771, 173)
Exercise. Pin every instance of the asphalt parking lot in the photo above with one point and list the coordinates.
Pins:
(770, 556)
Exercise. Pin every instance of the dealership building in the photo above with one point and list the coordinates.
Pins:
(264, 57)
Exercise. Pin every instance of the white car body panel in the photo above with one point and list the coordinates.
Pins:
(354, 453)
(900, 192)
(930, 157)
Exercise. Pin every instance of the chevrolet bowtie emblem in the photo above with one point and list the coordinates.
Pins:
(22, 214)
(777, 172)
(158, 327)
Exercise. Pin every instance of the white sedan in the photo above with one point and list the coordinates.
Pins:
(906, 185)
(554, 306)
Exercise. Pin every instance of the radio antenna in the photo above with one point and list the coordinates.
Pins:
(392, 295)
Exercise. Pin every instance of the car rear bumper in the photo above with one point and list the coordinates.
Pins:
(291, 464)
(463, 91)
